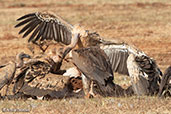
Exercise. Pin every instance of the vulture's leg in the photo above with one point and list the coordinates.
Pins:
(91, 92)
(86, 86)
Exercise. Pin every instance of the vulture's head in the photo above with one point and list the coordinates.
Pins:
(22, 55)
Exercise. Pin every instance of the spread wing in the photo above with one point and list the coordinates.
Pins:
(130, 61)
(94, 64)
(45, 26)
(118, 55)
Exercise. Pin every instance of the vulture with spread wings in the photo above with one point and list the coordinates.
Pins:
(124, 59)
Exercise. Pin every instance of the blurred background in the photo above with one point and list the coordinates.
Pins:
(143, 23)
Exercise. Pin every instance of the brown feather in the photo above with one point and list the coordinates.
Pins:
(26, 16)
(48, 31)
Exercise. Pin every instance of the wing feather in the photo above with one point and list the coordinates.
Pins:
(51, 32)
(117, 60)
(25, 21)
(48, 31)
(54, 28)
(27, 26)
(54, 31)
(31, 28)
(36, 32)
(41, 32)
(65, 36)
(118, 55)
(44, 36)
(58, 31)
(61, 32)
(26, 16)
(123, 65)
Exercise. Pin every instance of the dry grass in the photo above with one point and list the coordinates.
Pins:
(111, 105)
(143, 23)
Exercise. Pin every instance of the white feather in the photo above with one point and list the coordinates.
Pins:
(72, 72)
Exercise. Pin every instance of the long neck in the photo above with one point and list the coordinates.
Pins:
(74, 40)
(73, 44)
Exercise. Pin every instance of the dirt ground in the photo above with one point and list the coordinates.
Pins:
(145, 24)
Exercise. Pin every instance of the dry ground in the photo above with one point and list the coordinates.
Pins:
(143, 23)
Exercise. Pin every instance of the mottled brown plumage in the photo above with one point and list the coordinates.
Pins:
(37, 78)
(35, 68)
(7, 72)
(53, 86)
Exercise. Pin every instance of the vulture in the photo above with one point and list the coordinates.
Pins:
(124, 59)
(95, 67)
(7, 71)
(38, 78)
